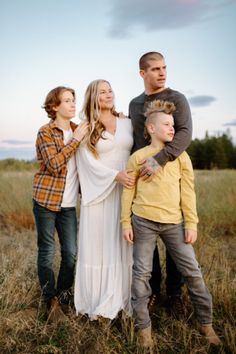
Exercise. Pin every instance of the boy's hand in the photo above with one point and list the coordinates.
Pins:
(149, 168)
(128, 235)
(80, 131)
(190, 236)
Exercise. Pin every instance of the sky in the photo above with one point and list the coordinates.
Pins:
(50, 43)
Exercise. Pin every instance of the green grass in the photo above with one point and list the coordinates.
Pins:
(23, 328)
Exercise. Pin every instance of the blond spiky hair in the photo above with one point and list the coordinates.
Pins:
(159, 106)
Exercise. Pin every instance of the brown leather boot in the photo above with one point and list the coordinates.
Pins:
(54, 311)
(176, 307)
(145, 338)
(210, 334)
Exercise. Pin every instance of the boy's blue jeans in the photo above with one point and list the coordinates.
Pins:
(145, 237)
(65, 222)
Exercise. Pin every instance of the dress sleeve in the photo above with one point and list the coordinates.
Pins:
(96, 180)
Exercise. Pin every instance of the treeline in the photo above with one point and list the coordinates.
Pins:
(17, 165)
(213, 152)
(209, 153)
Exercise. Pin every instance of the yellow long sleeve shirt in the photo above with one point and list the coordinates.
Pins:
(168, 198)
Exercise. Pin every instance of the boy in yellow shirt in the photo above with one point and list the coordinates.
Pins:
(165, 207)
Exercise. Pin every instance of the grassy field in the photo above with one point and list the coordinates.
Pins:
(23, 328)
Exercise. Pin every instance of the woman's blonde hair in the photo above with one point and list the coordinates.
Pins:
(91, 113)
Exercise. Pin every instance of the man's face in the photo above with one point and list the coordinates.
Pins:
(155, 75)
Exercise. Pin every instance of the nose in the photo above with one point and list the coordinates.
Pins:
(162, 71)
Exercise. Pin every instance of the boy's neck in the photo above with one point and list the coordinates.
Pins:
(62, 123)
(156, 144)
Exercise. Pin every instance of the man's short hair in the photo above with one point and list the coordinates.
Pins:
(145, 59)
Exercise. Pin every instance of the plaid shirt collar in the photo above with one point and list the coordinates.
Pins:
(53, 125)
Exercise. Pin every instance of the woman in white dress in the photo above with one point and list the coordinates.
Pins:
(104, 265)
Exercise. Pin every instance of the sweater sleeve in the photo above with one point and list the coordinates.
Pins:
(183, 133)
(128, 195)
(187, 193)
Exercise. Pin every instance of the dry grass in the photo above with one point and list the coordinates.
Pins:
(23, 328)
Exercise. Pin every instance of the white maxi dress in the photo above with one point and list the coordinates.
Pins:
(104, 265)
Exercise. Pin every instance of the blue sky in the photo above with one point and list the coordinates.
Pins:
(48, 43)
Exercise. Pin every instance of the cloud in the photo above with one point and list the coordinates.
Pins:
(153, 15)
(201, 100)
(230, 124)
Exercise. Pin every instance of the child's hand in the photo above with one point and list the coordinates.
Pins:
(190, 236)
(128, 235)
(80, 131)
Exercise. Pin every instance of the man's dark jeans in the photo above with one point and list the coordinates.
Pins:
(174, 279)
(65, 222)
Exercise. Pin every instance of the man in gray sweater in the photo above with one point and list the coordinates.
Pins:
(153, 71)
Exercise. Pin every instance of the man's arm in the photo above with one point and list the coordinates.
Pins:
(182, 139)
(183, 133)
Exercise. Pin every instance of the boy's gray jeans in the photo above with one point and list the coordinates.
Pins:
(145, 238)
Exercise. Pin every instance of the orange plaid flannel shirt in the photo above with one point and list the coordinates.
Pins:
(53, 155)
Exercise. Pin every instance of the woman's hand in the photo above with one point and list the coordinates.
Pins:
(126, 179)
(80, 131)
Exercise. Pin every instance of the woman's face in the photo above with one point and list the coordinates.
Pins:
(105, 96)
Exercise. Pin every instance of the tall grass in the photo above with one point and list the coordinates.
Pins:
(16, 199)
(23, 328)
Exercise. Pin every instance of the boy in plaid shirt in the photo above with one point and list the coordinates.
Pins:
(55, 191)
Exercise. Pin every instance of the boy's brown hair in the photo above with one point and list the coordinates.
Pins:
(53, 99)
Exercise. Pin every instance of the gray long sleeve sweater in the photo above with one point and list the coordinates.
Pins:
(182, 119)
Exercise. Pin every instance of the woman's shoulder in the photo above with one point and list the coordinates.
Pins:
(125, 121)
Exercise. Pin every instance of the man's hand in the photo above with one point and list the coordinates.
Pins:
(149, 168)
(128, 235)
(190, 236)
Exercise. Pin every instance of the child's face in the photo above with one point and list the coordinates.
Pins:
(66, 108)
(162, 128)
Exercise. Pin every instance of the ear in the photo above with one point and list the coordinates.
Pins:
(55, 108)
(142, 73)
(150, 128)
